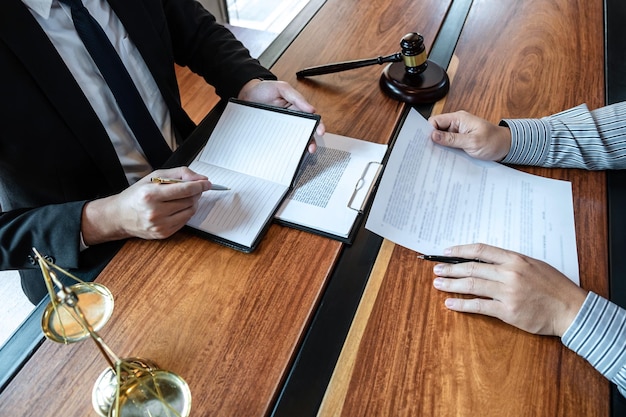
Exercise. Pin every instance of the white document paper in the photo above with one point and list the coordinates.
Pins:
(431, 197)
(333, 184)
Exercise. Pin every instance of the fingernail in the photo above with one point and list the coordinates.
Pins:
(438, 269)
(450, 302)
(436, 136)
(438, 282)
(447, 251)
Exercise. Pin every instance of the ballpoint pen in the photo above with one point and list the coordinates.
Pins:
(448, 259)
(161, 180)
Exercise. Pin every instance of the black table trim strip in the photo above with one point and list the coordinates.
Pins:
(315, 361)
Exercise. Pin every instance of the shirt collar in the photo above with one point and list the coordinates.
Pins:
(41, 7)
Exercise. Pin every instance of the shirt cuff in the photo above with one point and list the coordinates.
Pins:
(598, 334)
(530, 141)
(83, 246)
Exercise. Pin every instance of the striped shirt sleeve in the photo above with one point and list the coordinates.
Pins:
(575, 138)
(594, 140)
(598, 334)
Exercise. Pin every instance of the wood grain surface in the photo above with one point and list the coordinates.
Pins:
(416, 358)
(351, 102)
(226, 322)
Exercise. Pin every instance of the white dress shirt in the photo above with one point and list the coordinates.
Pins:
(55, 19)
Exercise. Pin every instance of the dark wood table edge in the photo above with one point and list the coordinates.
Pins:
(315, 361)
(615, 65)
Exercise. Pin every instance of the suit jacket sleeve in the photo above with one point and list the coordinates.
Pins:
(209, 49)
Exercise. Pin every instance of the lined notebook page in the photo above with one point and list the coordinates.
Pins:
(255, 152)
(237, 215)
(257, 142)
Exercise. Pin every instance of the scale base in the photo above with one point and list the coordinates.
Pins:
(143, 390)
(428, 87)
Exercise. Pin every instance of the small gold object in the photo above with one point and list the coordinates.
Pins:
(131, 387)
(59, 321)
(161, 180)
(142, 389)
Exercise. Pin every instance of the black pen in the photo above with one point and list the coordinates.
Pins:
(161, 180)
(447, 259)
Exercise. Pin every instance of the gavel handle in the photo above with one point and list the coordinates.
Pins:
(343, 66)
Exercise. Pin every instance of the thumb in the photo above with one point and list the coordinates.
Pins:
(449, 139)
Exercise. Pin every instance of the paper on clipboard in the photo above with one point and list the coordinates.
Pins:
(332, 186)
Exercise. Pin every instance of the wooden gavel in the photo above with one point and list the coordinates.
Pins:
(413, 53)
(410, 76)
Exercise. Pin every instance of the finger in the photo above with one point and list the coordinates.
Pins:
(183, 209)
(181, 172)
(470, 285)
(190, 175)
(167, 225)
(491, 308)
(174, 210)
(181, 190)
(321, 128)
(449, 139)
(486, 253)
(294, 98)
(467, 269)
(444, 121)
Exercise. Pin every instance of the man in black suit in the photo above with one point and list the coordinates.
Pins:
(73, 181)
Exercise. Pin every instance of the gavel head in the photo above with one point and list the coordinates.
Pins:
(411, 77)
(413, 53)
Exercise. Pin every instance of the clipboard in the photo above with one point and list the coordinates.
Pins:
(347, 168)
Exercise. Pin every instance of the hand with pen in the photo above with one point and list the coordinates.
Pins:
(146, 209)
(519, 290)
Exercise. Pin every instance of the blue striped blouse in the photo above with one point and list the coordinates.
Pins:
(594, 140)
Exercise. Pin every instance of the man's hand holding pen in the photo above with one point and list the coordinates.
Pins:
(165, 180)
(519, 290)
(145, 209)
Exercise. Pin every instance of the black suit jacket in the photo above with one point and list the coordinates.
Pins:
(55, 154)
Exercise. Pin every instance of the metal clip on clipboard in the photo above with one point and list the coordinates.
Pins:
(365, 186)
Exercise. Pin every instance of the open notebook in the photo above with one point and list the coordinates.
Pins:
(255, 150)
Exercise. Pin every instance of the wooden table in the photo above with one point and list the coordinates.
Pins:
(231, 324)
(406, 353)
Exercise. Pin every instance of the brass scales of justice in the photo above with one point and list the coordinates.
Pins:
(128, 387)
(409, 77)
